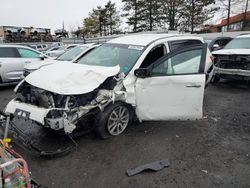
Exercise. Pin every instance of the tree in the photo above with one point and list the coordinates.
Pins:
(143, 15)
(244, 24)
(113, 18)
(133, 9)
(103, 20)
(151, 14)
(196, 12)
(173, 10)
(91, 26)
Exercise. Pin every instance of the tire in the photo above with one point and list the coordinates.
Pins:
(215, 79)
(113, 120)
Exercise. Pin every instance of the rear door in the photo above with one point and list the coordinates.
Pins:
(175, 88)
(10, 64)
(28, 56)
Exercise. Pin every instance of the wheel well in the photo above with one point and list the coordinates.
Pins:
(131, 108)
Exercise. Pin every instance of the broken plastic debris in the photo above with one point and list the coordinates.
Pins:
(155, 166)
(204, 171)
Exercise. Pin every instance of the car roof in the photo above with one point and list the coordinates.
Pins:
(13, 45)
(218, 38)
(17, 46)
(146, 39)
(244, 36)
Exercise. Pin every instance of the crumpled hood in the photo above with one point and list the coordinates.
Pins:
(69, 78)
(38, 64)
(232, 52)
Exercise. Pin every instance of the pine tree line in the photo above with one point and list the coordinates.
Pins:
(148, 15)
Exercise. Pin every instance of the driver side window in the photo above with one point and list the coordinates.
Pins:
(187, 62)
(156, 53)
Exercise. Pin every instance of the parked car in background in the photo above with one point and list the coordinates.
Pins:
(57, 51)
(233, 62)
(154, 77)
(13, 59)
(218, 43)
(73, 55)
(40, 47)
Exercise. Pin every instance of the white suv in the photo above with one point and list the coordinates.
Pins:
(150, 76)
(233, 61)
(13, 58)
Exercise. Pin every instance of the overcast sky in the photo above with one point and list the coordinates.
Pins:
(47, 13)
(52, 13)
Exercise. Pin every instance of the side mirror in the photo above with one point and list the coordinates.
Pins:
(142, 73)
(42, 56)
(216, 47)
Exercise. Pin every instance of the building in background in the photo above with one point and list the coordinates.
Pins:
(24, 34)
(235, 24)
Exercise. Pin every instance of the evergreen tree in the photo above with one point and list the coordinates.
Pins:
(133, 10)
(152, 15)
(103, 20)
(196, 12)
(173, 10)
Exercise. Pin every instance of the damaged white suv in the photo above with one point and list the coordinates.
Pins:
(154, 77)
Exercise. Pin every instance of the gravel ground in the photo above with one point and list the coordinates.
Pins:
(213, 152)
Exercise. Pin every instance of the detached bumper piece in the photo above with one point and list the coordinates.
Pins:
(25, 142)
(155, 166)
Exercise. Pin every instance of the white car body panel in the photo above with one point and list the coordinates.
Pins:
(174, 100)
(70, 79)
(10, 69)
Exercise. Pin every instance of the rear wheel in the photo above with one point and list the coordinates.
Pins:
(113, 120)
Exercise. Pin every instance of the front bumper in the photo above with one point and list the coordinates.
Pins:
(236, 72)
(27, 111)
(40, 115)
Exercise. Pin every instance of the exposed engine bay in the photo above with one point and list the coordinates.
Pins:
(63, 112)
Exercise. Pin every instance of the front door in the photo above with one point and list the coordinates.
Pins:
(174, 89)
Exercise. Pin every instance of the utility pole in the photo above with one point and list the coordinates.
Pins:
(228, 14)
(244, 24)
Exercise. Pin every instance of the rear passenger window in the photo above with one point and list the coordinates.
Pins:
(26, 53)
(174, 45)
(8, 52)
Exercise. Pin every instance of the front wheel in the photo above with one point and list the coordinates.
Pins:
(113, 120)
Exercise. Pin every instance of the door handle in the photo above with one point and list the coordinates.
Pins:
(27, 62)
(195, 86)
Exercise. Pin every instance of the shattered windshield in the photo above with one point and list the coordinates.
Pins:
(72, 53)
(238, 43)
(109, 55)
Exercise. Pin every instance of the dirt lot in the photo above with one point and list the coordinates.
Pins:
(213, 152)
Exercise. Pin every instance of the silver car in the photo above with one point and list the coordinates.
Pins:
(13, 58)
